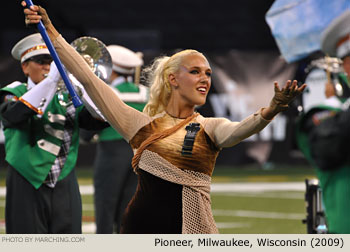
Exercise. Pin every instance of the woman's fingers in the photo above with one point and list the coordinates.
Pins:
(301, 88)
(277, 88)
(293, 88)
(31, 15)
(286, 88)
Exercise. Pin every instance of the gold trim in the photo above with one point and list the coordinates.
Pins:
(38, 111)
(38, 47)
(342, 40)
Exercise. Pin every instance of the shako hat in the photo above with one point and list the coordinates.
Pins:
(29, 46)
(124, 60)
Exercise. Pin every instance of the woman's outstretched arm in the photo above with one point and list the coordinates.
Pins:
(125, 119)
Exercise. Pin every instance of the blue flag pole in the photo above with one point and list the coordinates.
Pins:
(75, 98)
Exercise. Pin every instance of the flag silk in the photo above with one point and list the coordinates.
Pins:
(297, 25)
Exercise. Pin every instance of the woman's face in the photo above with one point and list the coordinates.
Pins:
(193, 80)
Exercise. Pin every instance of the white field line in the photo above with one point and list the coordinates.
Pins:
(258, 214)
(226, 225)
(257, 187)
(224, 187)
(267, 194)
(90, 227)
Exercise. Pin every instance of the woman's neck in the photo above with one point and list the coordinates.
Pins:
(179, 111)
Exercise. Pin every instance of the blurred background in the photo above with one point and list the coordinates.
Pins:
(233, 35)
(245, 60)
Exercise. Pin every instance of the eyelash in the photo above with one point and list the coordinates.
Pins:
(196, 72)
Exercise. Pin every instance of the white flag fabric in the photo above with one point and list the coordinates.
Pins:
(297, 25)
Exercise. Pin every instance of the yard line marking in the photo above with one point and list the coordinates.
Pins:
(2, 226)
(2, 191)
(88, 207)
(258, 186)
(226, 225)
(274, 195)
(86, 189)
(223, 187)
(258, 214)
(88, 228)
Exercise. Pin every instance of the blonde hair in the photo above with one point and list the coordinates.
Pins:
(157, 77)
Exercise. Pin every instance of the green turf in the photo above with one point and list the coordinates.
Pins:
(259, 208)
(228, 207)
(254, 173)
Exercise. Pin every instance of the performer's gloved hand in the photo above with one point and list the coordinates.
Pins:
(54, 75)
(90, 105)
(39, 97)
(85, 98)
(284, 96)
(40, 13)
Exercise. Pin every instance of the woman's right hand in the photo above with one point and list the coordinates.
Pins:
(34, 14)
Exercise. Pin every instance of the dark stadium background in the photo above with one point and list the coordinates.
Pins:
(153, 27)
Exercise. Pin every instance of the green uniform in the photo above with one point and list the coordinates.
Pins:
(323, 135)
(114, 180)
(38, 141)
(42, 191)
(132, 96)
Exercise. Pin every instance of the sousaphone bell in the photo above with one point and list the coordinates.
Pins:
(98, 58)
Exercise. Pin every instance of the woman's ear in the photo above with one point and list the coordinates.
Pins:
(172, 80)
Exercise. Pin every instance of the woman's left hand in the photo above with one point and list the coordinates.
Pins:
(285, 95)
(282, 98)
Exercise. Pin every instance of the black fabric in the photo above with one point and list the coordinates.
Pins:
(329, 140)
(114, 184)
(88, 122)
(45, 210)
(156, 207)
(13, 113)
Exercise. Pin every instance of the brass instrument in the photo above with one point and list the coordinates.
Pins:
(329, 64)
(320, 72)
(98, 58)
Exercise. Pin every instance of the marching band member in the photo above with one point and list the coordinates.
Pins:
(41, 129)
(324, 130)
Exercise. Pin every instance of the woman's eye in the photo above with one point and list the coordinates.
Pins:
(194, 72)
(208, 74)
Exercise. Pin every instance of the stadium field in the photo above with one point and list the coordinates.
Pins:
(245, 200)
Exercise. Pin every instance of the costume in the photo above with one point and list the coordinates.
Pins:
(114, 181)
(40, 144)
(41, 128)
(323, 135)
(172, 173)
(323, 130)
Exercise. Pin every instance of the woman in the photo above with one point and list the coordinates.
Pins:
(175, 147)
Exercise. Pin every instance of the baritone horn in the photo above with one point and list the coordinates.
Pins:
(96, 55)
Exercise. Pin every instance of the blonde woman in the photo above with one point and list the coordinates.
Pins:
(175, 147)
